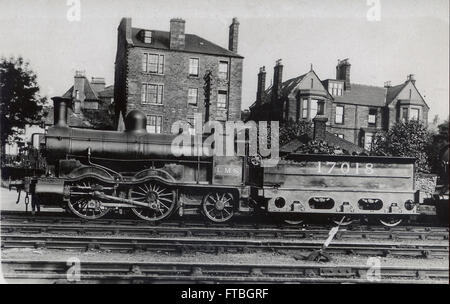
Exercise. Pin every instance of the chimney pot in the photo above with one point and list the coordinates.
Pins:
(411, 78)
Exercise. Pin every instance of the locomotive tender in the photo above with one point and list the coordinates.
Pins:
(91, 173)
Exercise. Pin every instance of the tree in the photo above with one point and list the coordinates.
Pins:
(20, 103)
(408, 139)
(291, 130)
(438, 146)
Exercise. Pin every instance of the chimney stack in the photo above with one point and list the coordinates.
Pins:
(233, 35)
(277, 80)
(320, 127)
(78, 91)
(411, 78)
(387, 84)
(98, 84)
(343, 73)
(125, 30)
(177, 37)
(261, 84)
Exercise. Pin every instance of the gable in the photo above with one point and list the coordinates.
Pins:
(410, 92)
(304, 83)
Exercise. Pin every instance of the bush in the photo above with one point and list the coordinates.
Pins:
(407, 139)
(291, 130)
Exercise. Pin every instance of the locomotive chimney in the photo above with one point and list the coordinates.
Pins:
(60, 111)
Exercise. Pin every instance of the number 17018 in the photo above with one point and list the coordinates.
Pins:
(345, 168)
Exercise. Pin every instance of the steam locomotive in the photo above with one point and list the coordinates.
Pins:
(91, 173)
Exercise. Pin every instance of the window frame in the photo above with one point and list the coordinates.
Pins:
(305, 108)
(410, 113)
(196, 97)
(159, 93)
(404, 110)
(371, 140)
(336, 114)
(160, 64)
(191, 126)
(149, 116)
(316, 101)
(198, 67)
(145, 36)
(219, 73)
(219, 93)
(372, 124)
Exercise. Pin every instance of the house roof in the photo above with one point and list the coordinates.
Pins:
(392, 92)
(88, 91)
(286, 87)
(363, 95)
(73, 120)
(108, 92)
(193, 43)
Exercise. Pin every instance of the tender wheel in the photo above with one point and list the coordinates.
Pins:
(218, 207)
(294, 219)
(390, 221)
(86, 207)
(161, 201)
(345, 222)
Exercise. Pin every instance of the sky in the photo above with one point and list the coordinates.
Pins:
(384, 40)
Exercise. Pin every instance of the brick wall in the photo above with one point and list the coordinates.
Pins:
(176, 81)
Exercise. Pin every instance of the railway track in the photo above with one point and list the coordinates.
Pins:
(13, 222)
(428, 233)
(208, 245)
(143, 272)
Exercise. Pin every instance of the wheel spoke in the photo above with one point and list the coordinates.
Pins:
(80, 205)
(152, 193)
(218, 206)
(165, 194)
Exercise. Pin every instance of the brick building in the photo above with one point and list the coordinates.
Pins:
(92, 103)
(92, 108)
(162, 74)
(353, 112)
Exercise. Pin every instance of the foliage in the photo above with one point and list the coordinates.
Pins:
(20, 103)
(291, 130)
(407, 139)
(438, 146)
(316, 147)
(101, 119)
